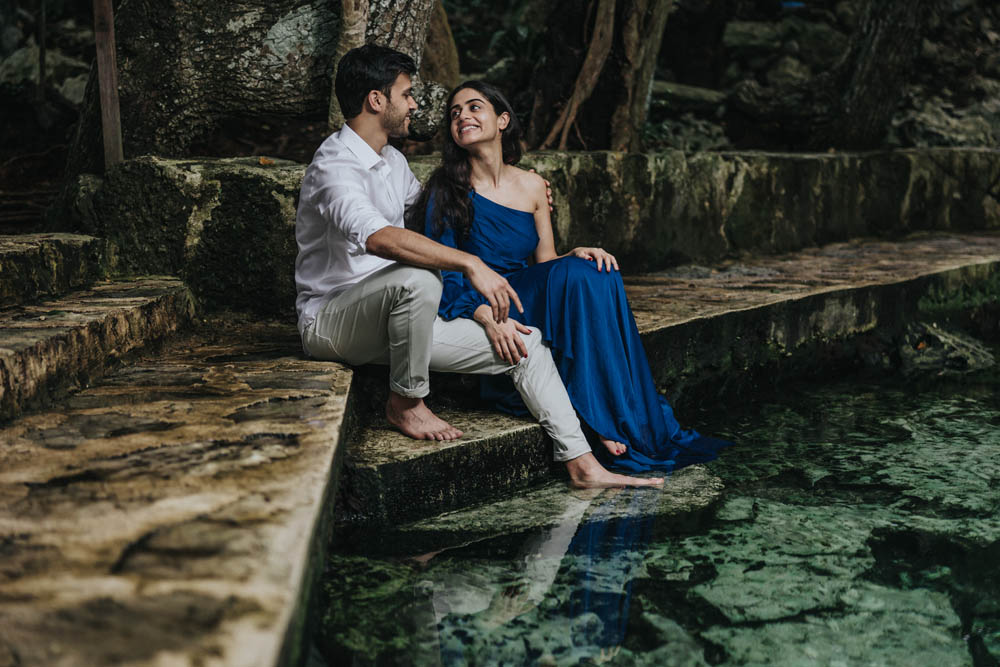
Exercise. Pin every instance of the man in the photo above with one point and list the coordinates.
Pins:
(368, 289)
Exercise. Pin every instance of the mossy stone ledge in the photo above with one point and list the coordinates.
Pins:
(226, 225)
(34, 266)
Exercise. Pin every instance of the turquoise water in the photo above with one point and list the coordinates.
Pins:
(858, 525)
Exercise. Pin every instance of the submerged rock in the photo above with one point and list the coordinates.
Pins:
(928, 348)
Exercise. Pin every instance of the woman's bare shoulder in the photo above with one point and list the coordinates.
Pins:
(529, 182)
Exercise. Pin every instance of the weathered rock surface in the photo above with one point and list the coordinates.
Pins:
(199, 219)
(225, 226)
(50, 347)
(34, 266)
(175, 512)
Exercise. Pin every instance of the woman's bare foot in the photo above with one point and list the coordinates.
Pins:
(585, 472)
(616, 448)
(415, 419)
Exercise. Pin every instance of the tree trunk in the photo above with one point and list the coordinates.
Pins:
(401, 24)
(186, 66)
(353, 26)
(608, 48)
(590, 71)
(849, 106)
(440, 61)
(641, 37)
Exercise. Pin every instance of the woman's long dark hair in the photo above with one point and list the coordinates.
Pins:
(449, 184)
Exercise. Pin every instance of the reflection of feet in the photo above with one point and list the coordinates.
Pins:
(616, 448)
(423, 559)
(415, 419)
(585, 472)
(508, 605)
(607, 655)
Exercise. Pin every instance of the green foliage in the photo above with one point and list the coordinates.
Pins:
(501, 42)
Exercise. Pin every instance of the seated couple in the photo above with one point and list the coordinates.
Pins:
(372, 291)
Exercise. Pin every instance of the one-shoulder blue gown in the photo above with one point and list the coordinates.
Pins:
(585, 318)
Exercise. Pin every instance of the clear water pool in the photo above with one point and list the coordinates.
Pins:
(858, 525)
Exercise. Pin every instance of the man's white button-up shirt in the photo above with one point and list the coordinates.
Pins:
(349, 192)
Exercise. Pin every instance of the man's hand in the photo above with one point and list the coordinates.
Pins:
(505, 337)
(548, 188)
(495, 288)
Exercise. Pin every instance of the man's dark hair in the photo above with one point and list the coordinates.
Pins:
(365, 69)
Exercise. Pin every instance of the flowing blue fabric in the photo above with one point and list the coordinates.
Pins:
(585, 318)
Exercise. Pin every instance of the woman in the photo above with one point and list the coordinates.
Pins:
(479, 202)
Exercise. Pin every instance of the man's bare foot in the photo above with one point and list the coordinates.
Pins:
(616, 448)
(585, 472)
(415, 419)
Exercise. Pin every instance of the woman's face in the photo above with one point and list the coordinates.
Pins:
(473, 119)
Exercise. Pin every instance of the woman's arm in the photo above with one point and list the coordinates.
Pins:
(546, 248)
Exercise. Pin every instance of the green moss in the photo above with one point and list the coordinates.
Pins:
(944, 300)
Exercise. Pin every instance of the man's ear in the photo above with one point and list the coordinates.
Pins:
(374, 100)
(503, 120)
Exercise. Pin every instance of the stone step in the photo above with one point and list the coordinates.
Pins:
(709, 332)
(35, 266)
(713, 332)
(390, 478)
(176, 511)
(52, 347)
(688, 498)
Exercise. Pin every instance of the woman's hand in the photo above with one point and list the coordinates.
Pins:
(599, 255)
(504, 336)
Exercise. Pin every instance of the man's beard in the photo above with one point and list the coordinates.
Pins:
(395, 126)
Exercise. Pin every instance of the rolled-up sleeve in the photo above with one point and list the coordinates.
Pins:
(458, 297)
(413, 188)
(345, 204)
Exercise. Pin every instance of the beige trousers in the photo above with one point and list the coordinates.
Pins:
(391, 318)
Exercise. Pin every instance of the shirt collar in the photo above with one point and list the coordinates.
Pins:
(368, 157)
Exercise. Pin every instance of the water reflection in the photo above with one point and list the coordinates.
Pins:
(564, 598)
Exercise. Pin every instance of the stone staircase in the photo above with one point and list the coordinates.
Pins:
(169, 475)
(165, 482)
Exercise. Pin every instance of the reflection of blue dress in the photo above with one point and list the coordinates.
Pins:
(586, 320)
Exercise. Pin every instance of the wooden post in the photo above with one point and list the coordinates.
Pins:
(107, 77)
(40, 38)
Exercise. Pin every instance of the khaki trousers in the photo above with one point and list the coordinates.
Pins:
(391, 318)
